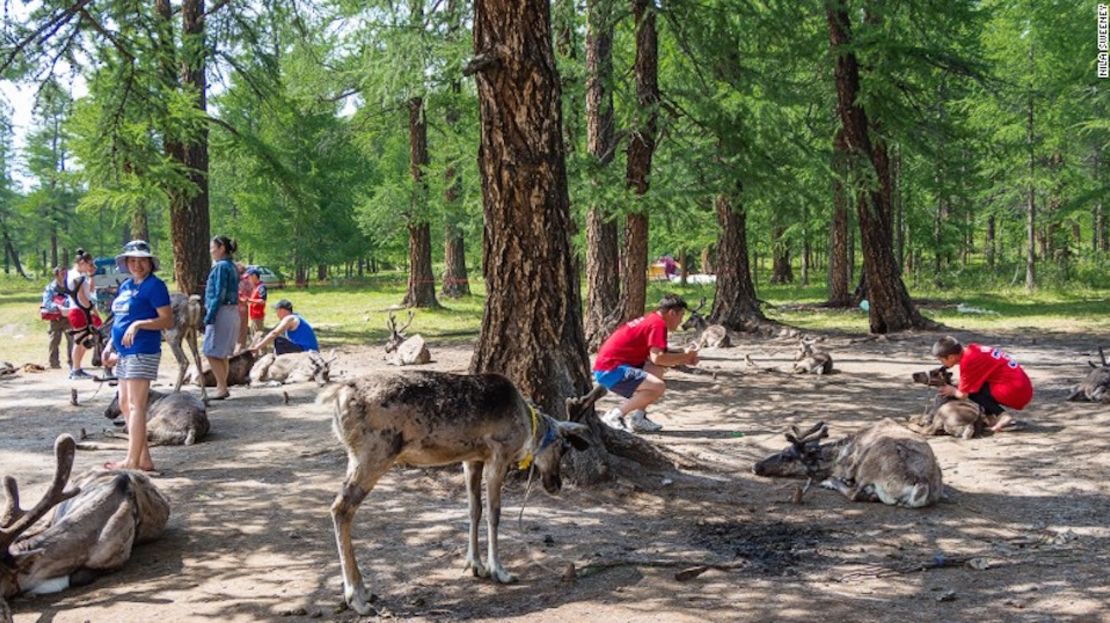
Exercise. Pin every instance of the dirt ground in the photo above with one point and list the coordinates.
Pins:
(1023, 536)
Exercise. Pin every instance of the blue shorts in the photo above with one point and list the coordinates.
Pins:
(623, 379)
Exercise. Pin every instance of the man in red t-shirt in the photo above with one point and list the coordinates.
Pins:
(634, 359)
(256, 303)
(989, 376)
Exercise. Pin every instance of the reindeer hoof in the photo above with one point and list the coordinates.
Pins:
(501, 576)
(476, 568)
(358, 600)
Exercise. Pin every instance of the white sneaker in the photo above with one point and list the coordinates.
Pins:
(641, 423)
(614, 419)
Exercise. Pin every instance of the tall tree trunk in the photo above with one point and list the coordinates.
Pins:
(321, 272)
(641, 149)
(707, 264)
(189, 219)
(890, 306)
(54, 246)
(781, 271)
(421, 290)
(603, 290)
(455, 278)
(532, 326)
(1031, 207)
(990, 243)
(11, 252)
(840, 270)
(734, 304)
(140, 225)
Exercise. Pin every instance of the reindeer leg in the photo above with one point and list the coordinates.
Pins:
(495, 475)
(182, 363)
(472, 471)
(196, 360)
(361, 478)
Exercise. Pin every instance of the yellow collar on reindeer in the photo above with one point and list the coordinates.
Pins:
(526, 462)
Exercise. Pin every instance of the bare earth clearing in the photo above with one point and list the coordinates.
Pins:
(1023, 536)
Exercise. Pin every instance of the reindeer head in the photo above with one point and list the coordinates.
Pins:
(937, 377)
(396, 336)
(805, 456)
(696, 320)
(559, 437)
(805, 349)
(15, 521)
(321, 367)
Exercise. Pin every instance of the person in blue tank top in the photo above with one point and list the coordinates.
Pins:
(292, 334)
(142, 311)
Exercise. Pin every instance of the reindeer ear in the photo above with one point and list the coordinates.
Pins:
(575, 433)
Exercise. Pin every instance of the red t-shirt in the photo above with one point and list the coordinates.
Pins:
(258, 310)
(632, 343)
(1008, 382)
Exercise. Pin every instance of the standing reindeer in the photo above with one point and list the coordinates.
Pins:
(1096, 387)
(708, 335)
(92, 532)
(810, 361)
(188, 322)
(883, 462)
(405, 351)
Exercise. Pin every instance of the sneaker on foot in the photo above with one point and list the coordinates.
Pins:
(641, 423)
(614, 419)
(79, 374)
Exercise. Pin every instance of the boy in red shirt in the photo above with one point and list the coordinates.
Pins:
(634, 359)
(988, 376)
(256, 303)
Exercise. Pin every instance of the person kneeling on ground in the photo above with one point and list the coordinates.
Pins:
(988, 376)
(633, 361)
(292, 334)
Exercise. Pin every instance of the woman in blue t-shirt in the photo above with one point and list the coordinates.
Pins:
(142, 311)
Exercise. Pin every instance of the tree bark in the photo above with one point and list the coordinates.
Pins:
(781, 271)
(140, 224)
(11, 252)
(532, 326)
(990, 243)
(890, 306)
(641, 149)
(839, 267)
(603, 288)
(455, 278)
(189, 218)
(707, 264)
(1031, 207)
(734, 304)
(421, 290)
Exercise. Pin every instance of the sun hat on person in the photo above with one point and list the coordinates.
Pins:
(136, 248)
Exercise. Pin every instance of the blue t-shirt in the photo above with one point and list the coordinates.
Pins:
(303, 335)
(139, 302)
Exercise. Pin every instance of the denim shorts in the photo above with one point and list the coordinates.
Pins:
(623, 379)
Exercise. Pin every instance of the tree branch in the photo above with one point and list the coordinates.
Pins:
(52, 25)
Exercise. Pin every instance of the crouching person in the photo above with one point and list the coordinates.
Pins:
(634, 360)
(292, 334)
(988, 376)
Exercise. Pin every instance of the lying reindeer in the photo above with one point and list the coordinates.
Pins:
(1096, 387)
(707, 335)
(238, 371)
(883, 462)
(945, 414)
(92, 532)
(171, 419)
(435, 418)
(188, 322)
(405, 351)
(809, 361)
(273, 370)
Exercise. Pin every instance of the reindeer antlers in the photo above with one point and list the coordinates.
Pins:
(15, 520)
(577, 405)
(816, 433)
(391, 324)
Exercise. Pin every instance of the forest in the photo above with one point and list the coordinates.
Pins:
(336, 139)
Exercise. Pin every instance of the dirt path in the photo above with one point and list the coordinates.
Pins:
(1024, 535)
